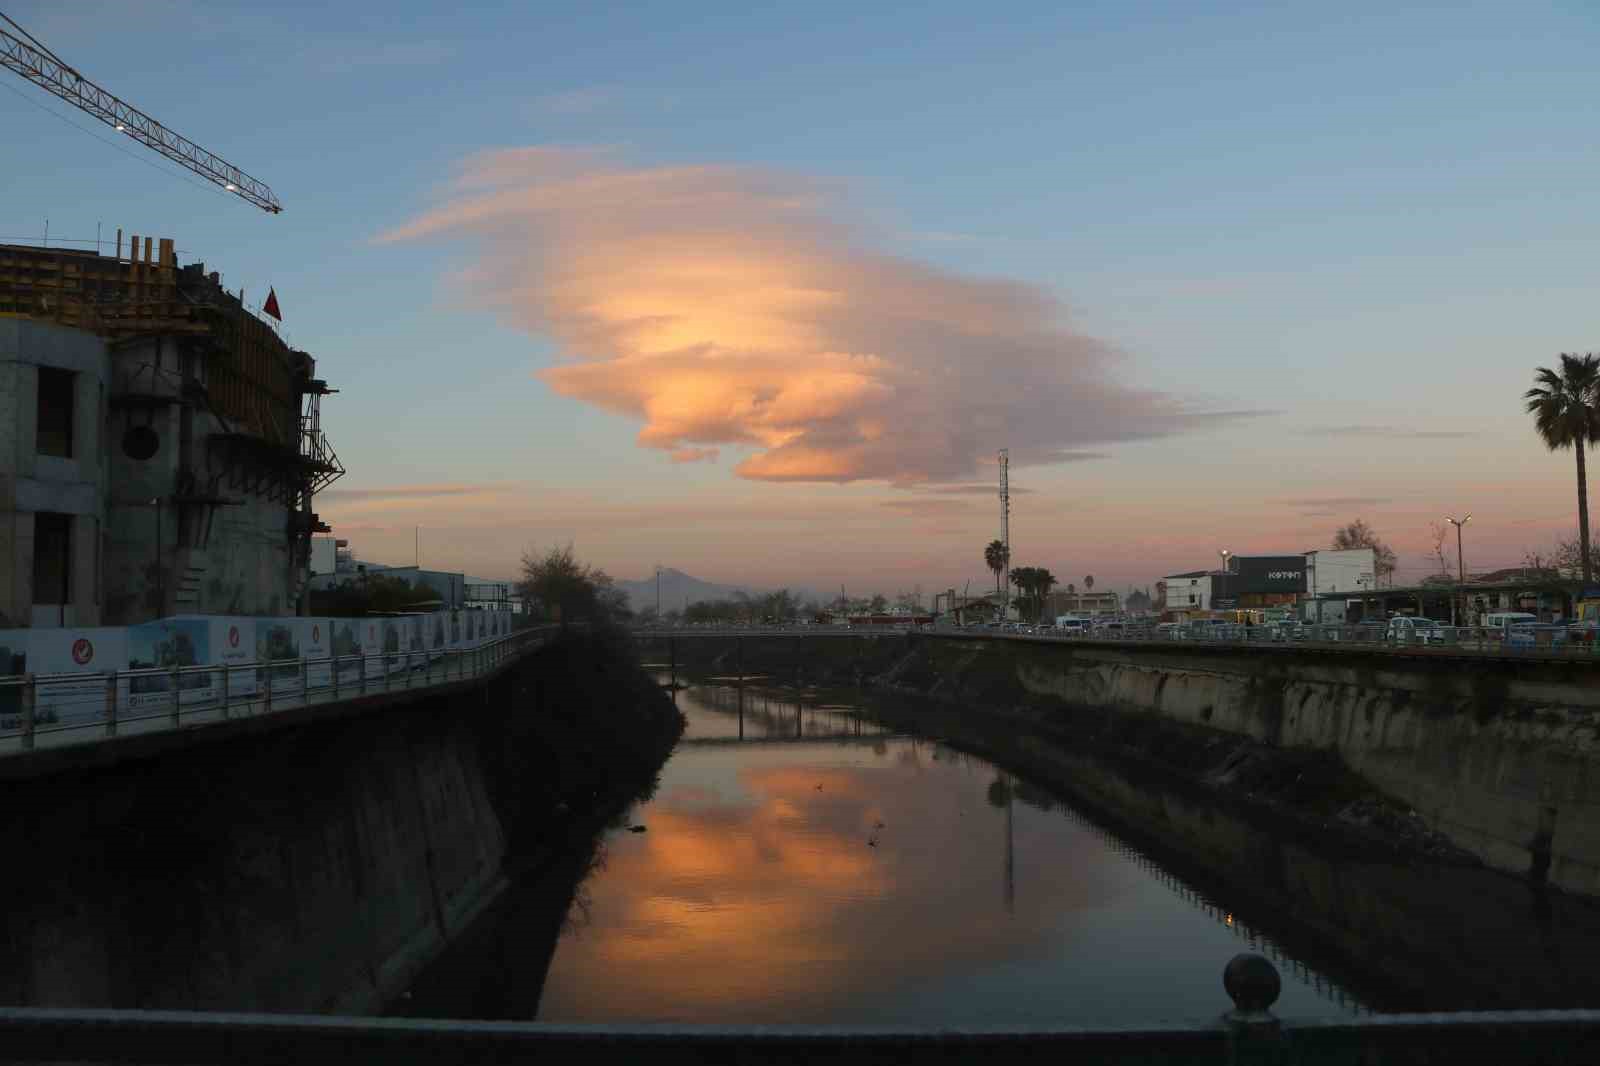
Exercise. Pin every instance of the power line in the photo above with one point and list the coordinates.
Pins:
(119, 147)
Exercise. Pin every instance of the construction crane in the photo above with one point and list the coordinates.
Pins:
(28, 57)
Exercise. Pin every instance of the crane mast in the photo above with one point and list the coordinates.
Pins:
(33, 61)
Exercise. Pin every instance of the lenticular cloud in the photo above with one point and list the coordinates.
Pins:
(728, 307)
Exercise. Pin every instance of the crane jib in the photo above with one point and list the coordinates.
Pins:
(48, 72)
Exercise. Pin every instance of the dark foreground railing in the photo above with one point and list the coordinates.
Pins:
(1249, 1033)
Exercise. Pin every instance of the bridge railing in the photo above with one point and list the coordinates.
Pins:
(1541, 641)
(55, 710)
(1249, 1033)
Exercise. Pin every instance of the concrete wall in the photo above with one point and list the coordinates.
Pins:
(30, 483)
(1502, 755)
(316, 869)
(233, 557)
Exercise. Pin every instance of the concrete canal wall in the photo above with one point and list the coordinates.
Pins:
(1499, 754)
(318, 867)
(312, 870)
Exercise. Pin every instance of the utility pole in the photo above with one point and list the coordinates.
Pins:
(1461, 565)
(658, 594)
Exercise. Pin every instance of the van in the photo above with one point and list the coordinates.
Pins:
(1501, 619)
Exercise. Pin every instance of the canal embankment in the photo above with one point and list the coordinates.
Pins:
(319, 867)
(1445, 754)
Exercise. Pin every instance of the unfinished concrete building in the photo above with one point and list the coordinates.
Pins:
(160, 445)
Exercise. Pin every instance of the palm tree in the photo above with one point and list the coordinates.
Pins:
(996, 557)
(1088, 583)
(1563, 409)
(1022, 577)
(1044, 582)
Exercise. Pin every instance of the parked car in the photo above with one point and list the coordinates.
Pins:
(1534, 634)
(1406, 629)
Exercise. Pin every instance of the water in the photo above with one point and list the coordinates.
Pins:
(822, 870)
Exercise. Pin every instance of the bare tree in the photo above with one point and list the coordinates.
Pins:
(1360, 535)
(1440, 532)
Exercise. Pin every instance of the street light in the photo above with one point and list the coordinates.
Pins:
(1461, 562)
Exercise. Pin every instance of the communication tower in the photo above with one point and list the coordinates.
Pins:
(1005, 530)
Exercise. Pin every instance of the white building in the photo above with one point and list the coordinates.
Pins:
(1334, 571)
(1189, 591)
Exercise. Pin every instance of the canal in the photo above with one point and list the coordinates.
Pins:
(800, 864)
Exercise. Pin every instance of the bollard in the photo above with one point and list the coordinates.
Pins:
(266, 705)
(29, 694)
(1255, 1036)
(361, 663)
(335, 668)
(305, 683)
(177, 697)
(227, 691)
(111, 703)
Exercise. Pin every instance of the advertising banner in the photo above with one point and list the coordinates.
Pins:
(160, 646)
(278, 640)
(391, 632)
(438, 633)
(233, 642)
(348, 648)
(316, 642)
(91, 652)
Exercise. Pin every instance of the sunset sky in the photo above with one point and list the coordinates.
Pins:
(757, 291)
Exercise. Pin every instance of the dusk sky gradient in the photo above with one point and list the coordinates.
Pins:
(757, 291)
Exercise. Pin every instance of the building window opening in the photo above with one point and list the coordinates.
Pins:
(52, 557)
(54, 435)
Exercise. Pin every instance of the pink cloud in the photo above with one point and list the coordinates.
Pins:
(725, 306)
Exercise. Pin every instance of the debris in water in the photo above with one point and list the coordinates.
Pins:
(638, 828)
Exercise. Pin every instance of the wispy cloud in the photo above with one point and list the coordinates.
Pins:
(982, 488)
(923, 505)
(695, 455)
(407, 492)
(726, 306)
(1396, 432)
(585, 100)
(345, 56)
(1337, 501)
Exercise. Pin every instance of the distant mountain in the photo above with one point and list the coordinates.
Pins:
(677, 589)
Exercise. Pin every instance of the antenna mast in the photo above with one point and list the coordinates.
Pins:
(1005, 530)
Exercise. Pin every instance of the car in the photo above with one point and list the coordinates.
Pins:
(1407, 629)
(1535, 635)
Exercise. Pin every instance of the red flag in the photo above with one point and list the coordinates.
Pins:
(271, 306)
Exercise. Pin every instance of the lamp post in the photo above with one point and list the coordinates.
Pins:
(1461, 563)
(1221, 583)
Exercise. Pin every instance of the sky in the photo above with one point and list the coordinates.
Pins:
(758, 291)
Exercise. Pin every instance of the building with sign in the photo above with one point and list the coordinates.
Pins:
(1257, 582)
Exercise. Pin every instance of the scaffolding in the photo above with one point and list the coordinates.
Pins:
(264, 394)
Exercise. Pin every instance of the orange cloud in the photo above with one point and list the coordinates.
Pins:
(725, 306)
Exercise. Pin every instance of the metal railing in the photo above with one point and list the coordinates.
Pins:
(1525, 641)
(55, 710)
(1249, 1033)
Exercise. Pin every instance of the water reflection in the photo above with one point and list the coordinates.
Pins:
(874, 878)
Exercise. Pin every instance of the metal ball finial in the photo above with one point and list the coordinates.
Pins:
(1252, 982)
